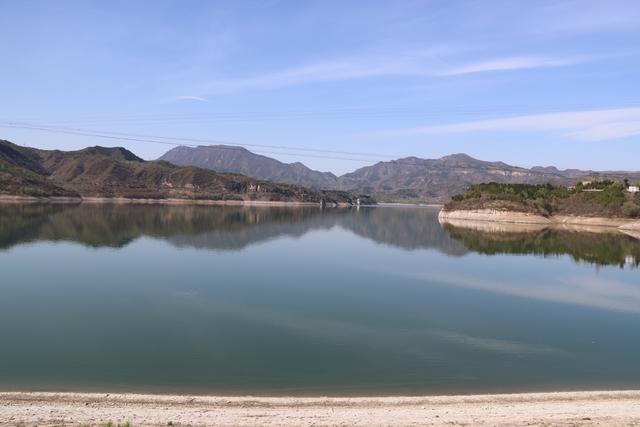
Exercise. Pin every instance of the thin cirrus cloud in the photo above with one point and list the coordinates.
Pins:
(516, 63)
(412, 64)
(192, 98)
(319, 72)
(594, 125)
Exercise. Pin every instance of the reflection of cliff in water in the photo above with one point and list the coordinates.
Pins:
(604, 248)
(406, 228)
(217, 227)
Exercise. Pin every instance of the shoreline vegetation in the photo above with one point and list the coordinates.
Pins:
(577, 408)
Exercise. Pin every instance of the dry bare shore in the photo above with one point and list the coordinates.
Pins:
(512, 217)
(604, 408)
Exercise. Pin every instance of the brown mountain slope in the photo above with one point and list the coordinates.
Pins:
(223, 158)
(116, 172)
(22, 174)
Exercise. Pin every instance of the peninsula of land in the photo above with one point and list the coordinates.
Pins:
(589, 204)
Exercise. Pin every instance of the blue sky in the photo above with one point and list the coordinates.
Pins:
(528, 83)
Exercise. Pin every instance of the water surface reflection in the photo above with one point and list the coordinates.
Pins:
(302, 301)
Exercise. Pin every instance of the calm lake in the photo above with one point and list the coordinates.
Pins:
(303, 301)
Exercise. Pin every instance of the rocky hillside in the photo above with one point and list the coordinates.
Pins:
(437, 180)
(116, 172)
(409, 179)
(224, 158)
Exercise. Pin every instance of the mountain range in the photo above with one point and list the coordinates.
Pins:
(235, 173)
(117, 172)
(408, 179)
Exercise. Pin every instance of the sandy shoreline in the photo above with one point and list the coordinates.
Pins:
(608, 408)
(522, 218)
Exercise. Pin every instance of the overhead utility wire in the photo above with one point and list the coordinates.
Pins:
(199, 140)
(136, 139)
(237, 147)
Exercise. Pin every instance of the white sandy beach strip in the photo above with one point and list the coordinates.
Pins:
(606, 408)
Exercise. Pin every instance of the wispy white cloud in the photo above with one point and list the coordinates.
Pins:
(192, 98)
(326, 71)
(613, 130)
(594, 125)
(515, 63)
(426, 63)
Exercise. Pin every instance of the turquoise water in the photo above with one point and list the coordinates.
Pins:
(281, 301)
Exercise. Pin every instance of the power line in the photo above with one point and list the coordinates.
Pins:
(199, 140)
(121, 136)
(237, 147)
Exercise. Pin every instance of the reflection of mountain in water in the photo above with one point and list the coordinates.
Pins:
(407, 228)
(218, 227)
(236, 227)
(605, 248)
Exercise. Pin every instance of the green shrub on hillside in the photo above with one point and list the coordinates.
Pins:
(631, 209)
(611, 195)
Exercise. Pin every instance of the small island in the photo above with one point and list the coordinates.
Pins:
(588, 203)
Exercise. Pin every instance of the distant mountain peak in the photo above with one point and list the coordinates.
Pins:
(117, 153)
(220, 147)
(458, 156)
(236, 159)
